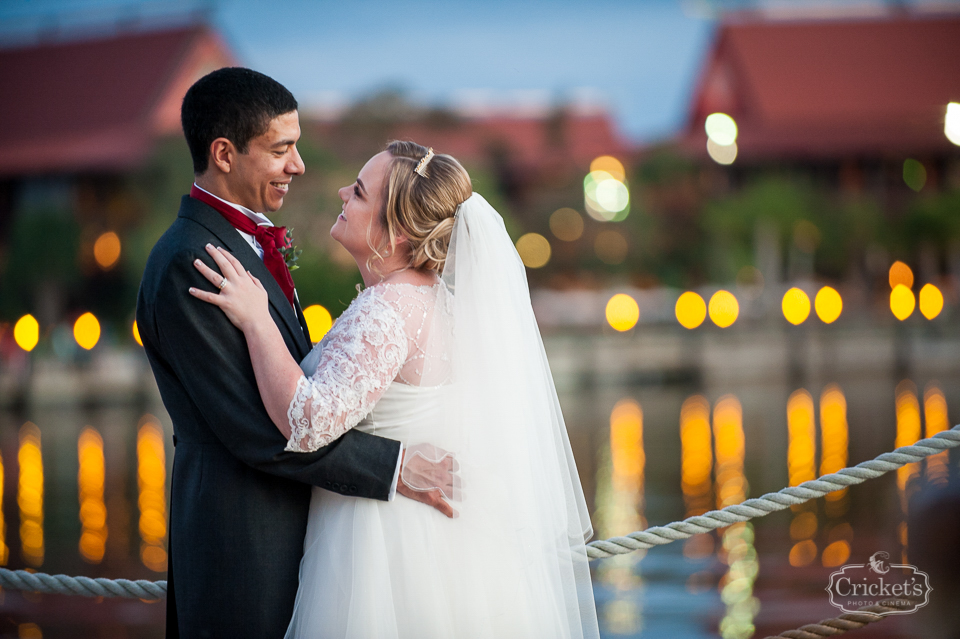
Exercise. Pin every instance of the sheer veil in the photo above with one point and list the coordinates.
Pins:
(521, 487)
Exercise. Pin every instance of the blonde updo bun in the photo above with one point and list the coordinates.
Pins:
(421, 208)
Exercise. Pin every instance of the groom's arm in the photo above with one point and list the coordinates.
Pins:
(210, 356)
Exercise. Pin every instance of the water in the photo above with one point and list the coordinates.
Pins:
(758, 407)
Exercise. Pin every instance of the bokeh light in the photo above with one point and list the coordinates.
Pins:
(691, 310)
(802, 446)
(622, 312)
(534, 250)
(836, 554)
(4, 548)
(723, 308)
(951, 124)
(796, 306)
(721, 128)
(935, 416)
(151, 484)
(611, 165)
(566, 224)
(931, 301)
(607, 199)
(319, 321)
(106, 250)
(26, 332)
(900, 273)
(914, 174)
(828, 304)
(730, 445)
(611, 247)
(90, 483)
(30, 495)
(803, 526)
(722, 154)
(902, 302)
(834, 436)
(86, 330)
(626, 445)
(908, 434)
(696, 457)
(803, 553)
(136, 333)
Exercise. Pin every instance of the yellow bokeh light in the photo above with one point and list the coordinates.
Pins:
(836, 554)
(803, 553)
(721, 128)
(951, 123)
(900, 273)
(136, 333)
(732, 487)
(622, 312)
(90, 483)
(26, 332)
(606, 198)
(696, 455)
(902, 302)
(566, 224)
(803, 526)
(834, 435)
(106, 250)
(611, 247)
(611, 165)
(30, 495)
(151, 484)
(722, 154)
(802, 446)
(534, 250)
(86, 330)
(828, 304)
(935, 416)
(691, 310)
(931, 301)
(4, 548)
(796, 306)
(908, 434)
(319, 321)
(724, 308)
(626, 445)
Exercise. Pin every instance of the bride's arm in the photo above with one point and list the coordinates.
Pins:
(361, 357)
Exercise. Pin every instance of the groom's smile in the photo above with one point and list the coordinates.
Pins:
(260, 178)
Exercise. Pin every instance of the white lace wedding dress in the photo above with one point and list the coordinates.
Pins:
(511, 565)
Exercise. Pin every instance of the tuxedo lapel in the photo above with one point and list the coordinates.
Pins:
(209, 218)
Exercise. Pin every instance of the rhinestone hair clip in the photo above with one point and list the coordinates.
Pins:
(424, 161)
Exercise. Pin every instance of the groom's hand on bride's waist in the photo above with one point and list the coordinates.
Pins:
(429, 475)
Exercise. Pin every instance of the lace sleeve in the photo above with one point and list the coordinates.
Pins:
(360, 356)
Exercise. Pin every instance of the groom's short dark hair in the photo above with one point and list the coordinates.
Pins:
(233, 103)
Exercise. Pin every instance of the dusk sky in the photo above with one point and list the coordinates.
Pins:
(638, 58)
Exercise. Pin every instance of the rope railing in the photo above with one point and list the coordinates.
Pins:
(656, 536)
(847, 622)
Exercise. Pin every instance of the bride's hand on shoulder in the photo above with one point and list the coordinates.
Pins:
(242, 297)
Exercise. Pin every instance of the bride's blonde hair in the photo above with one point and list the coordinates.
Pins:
(421, 206)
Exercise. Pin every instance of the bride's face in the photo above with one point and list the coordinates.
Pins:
(359, 218)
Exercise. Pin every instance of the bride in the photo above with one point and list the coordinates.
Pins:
(441, 346)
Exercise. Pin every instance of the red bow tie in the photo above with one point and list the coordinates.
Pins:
(270, 238)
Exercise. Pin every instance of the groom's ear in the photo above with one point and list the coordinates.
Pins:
(223, 154)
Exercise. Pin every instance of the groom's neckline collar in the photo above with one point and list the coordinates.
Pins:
(259, 218)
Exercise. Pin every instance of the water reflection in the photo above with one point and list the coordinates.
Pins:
(90, 483)
(151, 480)
(4, 548)
(935, 414)
(620, 506)
(696, 469)
(30, 495)
(834, 432)
(908, 433)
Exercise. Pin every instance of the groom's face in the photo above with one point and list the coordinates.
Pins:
(261, 177)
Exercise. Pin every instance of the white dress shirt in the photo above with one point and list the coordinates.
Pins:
(262, 220)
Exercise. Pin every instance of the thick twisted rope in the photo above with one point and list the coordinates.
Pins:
(656, 536)
(84, 586)
(847, 622)
(772, 502)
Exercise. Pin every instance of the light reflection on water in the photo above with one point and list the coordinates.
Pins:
(656, 453)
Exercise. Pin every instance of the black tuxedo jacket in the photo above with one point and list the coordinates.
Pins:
(238, 502)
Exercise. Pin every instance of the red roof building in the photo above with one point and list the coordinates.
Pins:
(98, 105)
(832, 89)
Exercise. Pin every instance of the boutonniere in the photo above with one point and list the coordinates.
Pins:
(289, 251)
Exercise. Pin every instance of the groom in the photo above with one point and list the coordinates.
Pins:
(239, 503)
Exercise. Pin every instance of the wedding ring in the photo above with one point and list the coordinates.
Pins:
(222, 284)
